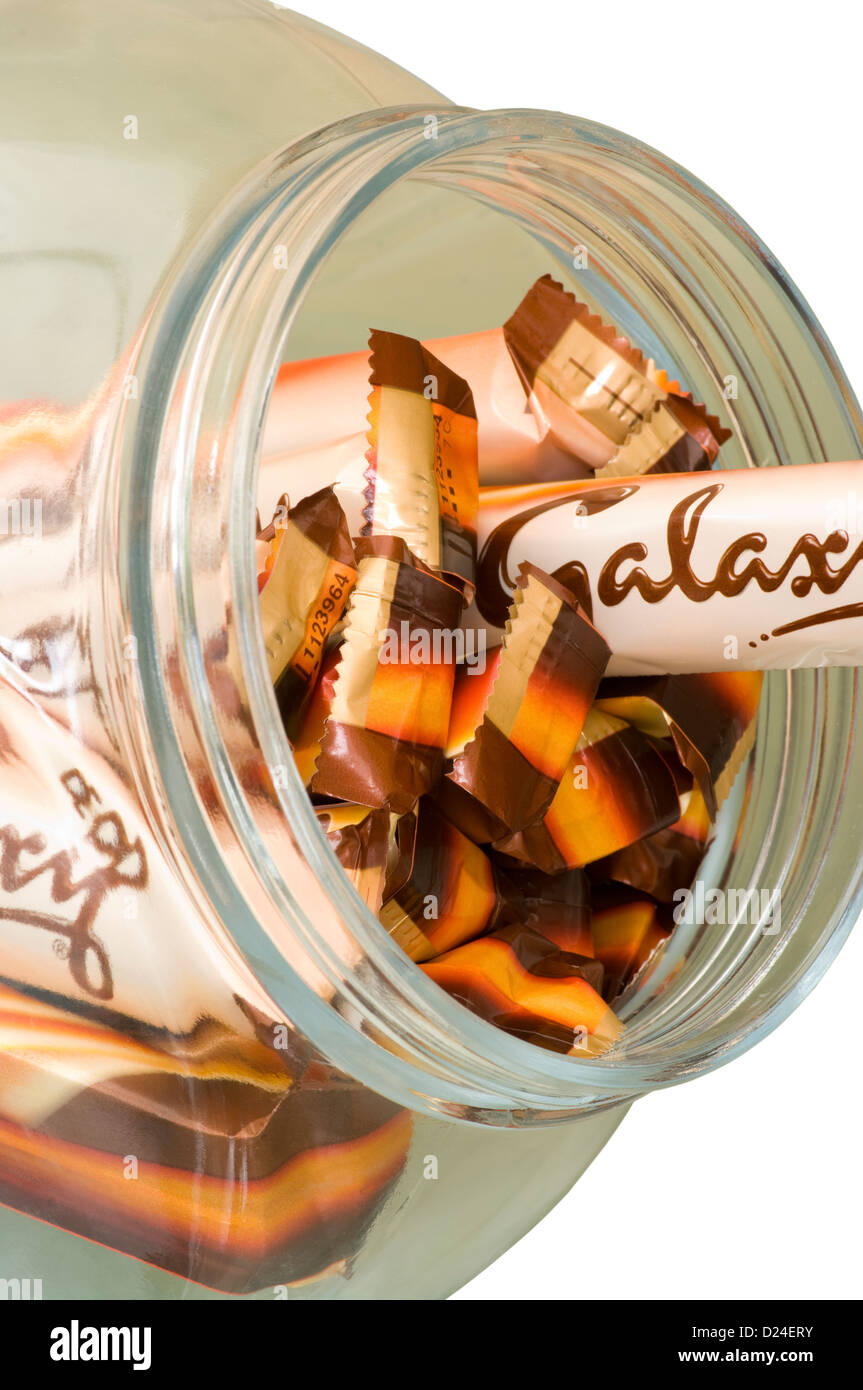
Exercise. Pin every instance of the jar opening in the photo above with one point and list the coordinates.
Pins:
(672, 267)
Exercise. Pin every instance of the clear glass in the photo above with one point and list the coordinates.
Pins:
(133, 664)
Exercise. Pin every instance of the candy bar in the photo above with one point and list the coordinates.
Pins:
(527, 986)
(306, 742)
(384, 739)
(557, 906)
(661, 863)
(544, 682)
(556, 391)
(617, 787)
(711, 719)
(310, 572)
(422, 482)
(229, 1163)
(746, 570)
(626, 930)
(442, 891)
(360, 838)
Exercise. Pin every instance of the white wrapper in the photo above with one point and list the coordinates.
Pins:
(747, 569)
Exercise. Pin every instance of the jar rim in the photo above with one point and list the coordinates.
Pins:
(207, 364)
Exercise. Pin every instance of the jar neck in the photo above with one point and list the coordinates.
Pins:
(200, 716)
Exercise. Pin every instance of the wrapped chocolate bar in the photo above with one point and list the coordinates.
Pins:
(383, 744)
(619, 786)
(361, 839)
(556, 392)
(548, 672)
(710, 717)
(310, 572)
(442, 890)
(591, 386)
(306, 742)
(422, 481)
(557, 906)
(250, 1168)
(750, 569)
(627, 927)
(523, 983)
(666, 861)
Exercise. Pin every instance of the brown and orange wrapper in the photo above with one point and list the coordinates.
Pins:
(618, 787)
(361, 839)
(627, 928)
(548, 671)
(519, 980)
(383, 744)
(711, 719)
(665, 862)
(422, 477)
(557, 906)
(310, 571)
(442, 891)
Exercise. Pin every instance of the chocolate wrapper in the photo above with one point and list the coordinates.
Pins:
(548, 672)
(627, 928)
(661, 864)
(422, 480)
(383, 744)
(306, 742)
(361, 840)
(310, 571)
(749, 569)
(443, 890)
(523, 983)
(711, 719)
(586, 381)
(251, 1168)
(618, 787)
(678, 436)
(557, 906)
(313, 428)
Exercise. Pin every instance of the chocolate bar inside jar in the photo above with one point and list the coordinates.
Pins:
(259, 1037)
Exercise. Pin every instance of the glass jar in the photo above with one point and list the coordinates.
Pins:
(195, 192)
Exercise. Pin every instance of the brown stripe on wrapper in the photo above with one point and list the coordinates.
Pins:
(710, 717)
(383, 742)
(312, 570)
(618, 787)
(582, 376)
(360, 838)
(423, 477)
(520, 981)
(306, 742)
(549, 669)
(443, 890)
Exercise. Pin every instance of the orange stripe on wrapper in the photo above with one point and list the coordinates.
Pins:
(524, 984)
(442, 891)
(617, 788)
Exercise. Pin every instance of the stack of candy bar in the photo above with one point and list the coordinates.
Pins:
(514, 790)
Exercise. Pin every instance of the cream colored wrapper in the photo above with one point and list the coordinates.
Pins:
(749, 569)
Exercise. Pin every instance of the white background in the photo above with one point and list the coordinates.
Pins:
(745, 1183)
